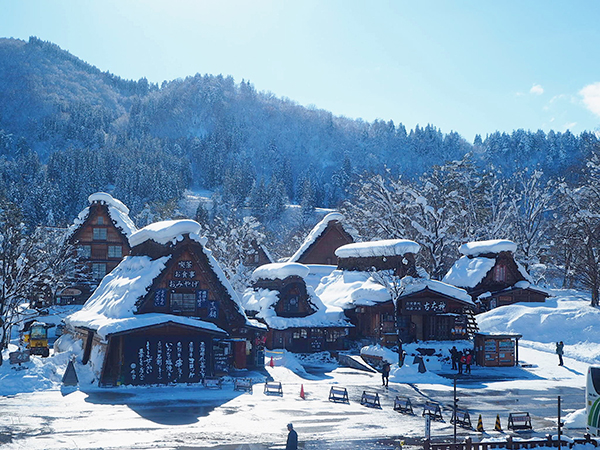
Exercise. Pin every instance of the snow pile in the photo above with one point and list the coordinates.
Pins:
(315, 233)
(112, 306)
(349, 289)
(386, 247)
(412, 285)
(39, 373)
(264, 300)
(166, 231)
(280, 271)
(317, 273)
(484, 247)
(409, 372)
(567, 317)
(468, 272)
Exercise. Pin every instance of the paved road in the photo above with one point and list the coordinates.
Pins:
(195, 418)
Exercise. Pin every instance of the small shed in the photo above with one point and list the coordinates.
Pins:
(496, 350)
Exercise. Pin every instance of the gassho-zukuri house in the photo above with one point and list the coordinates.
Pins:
(490, 274)
(101, 236)
(296, 318)
(166, 314)
(386, 297)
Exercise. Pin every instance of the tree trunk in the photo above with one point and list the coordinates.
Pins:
(595, 296)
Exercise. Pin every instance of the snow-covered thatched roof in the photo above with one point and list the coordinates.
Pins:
(387, 247)
(316, 232)
(348, 289)
(112, 306)
(264, 300)
(412, 285)
(280, 271)
(486, 247)
(468, 272)
(173, 231)
(118, 212)
(167, 231)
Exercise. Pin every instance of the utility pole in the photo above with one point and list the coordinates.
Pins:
(455, 406)
(560, 425)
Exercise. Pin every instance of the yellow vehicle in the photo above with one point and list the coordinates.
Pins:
(37, 339)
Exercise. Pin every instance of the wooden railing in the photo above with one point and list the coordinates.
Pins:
(511, 444)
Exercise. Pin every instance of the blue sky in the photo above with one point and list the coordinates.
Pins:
(467, 66)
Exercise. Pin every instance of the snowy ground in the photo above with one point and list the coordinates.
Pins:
(37, 414)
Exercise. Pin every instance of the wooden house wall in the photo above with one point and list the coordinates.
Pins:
(158, 355)
(322, 251)
(377, 322)
(257, 257)
(99, 248)
(189, 272)
(512, 296)
(489, 284)
(428, 315)
(308, 340)
(401, 265)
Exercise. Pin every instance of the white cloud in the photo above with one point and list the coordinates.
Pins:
(591, 97)
(569, 126)
(536, 89)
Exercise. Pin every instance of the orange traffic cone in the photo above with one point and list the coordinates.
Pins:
(302, 392)
(272, 363)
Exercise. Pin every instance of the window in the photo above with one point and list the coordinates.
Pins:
(500, 273)
(183, 302)
(98, 271)
(256, 258)
(84, 251)
(100, 221)
(300, 333)
(99, 234)
(115, 251)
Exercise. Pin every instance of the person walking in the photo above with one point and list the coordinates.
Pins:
(385, 373)
(292, 439)
(559, 352)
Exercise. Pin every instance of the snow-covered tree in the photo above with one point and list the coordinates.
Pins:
(31, 262)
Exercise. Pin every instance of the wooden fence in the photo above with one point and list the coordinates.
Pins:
(511, 444)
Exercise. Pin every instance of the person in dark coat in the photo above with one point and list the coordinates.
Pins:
(292, 439)
(559, 352)
(460, 361)
(385, 373)
(454, 357)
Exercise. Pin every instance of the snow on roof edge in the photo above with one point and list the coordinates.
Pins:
(109, 200)
(315, 233)
(476, 248)
(166, 231)
(280, 271)
(385, 247)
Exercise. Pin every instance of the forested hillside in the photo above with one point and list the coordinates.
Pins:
(67, 130)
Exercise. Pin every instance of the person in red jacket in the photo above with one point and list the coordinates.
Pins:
(468, 362)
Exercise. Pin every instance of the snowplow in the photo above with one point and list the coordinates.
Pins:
(36, 339)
